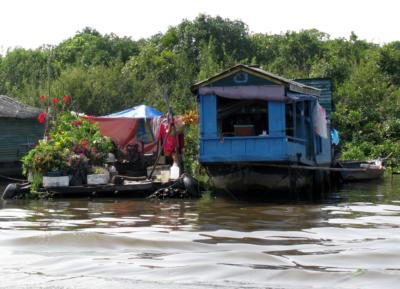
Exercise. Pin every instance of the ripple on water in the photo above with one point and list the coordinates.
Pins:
(214, 243)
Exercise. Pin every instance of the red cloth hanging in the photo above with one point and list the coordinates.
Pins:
(122, 131)
(172, 143)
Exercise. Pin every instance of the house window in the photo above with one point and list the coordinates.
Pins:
(242, 117)
(241, 77)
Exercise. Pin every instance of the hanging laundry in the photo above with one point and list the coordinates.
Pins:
(320, 123)
(145, 133)
(173, 143)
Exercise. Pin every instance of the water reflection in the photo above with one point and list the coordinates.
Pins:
(348, 241)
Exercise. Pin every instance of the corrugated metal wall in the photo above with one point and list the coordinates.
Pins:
(17, 136)
(325, 85)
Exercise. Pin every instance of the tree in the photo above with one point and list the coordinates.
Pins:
(231, 36)
(89, 47)
(23, 71)
(105, 73)
(389, 61)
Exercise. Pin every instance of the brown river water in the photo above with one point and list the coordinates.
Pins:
(351, 240)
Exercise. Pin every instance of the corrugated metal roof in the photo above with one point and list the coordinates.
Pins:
(11, 108)
(325, 85)
(290, 84)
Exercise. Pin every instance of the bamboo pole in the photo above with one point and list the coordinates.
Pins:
(48, 97)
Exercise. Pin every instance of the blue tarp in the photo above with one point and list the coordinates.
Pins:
(139, 111)
(335, 136)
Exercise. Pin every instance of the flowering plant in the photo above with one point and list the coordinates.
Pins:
(53, 107)
(42, 117)
(73, 144)
(190, 117)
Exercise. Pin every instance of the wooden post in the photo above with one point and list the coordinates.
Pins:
(48, 97)
(293, 183)
(142, 154)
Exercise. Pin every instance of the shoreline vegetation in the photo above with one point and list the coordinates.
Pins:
(107, 73)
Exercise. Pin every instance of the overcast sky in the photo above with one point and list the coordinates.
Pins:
(31, 23)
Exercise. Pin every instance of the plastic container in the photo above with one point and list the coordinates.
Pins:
(98, 179)
(164, 176)
(158, 170)
(174, 172)
(52, 182)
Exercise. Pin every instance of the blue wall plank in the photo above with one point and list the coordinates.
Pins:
(276, 118)
(208, 112)
(234, 149)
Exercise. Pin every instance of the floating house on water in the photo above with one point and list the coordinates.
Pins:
(19, 131)
(262, 132)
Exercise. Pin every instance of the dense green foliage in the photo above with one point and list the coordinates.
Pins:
(106, 73)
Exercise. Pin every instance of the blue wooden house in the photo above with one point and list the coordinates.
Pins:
(260, 131)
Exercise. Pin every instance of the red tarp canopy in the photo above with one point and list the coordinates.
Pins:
(123, 131)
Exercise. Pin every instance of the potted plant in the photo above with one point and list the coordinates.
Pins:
(78, 167)
(72, 145)
(98, 176)
(49, 161)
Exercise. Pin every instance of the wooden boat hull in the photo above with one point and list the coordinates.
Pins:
(367, 171)
(258, 178)
(368, 174)
(135, 189)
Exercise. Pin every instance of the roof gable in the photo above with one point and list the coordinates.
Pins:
(242, 77)
(249, 75)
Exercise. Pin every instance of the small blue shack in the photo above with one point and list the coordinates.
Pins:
(261, 132)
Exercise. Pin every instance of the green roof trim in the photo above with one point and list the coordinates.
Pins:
(325, 85)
